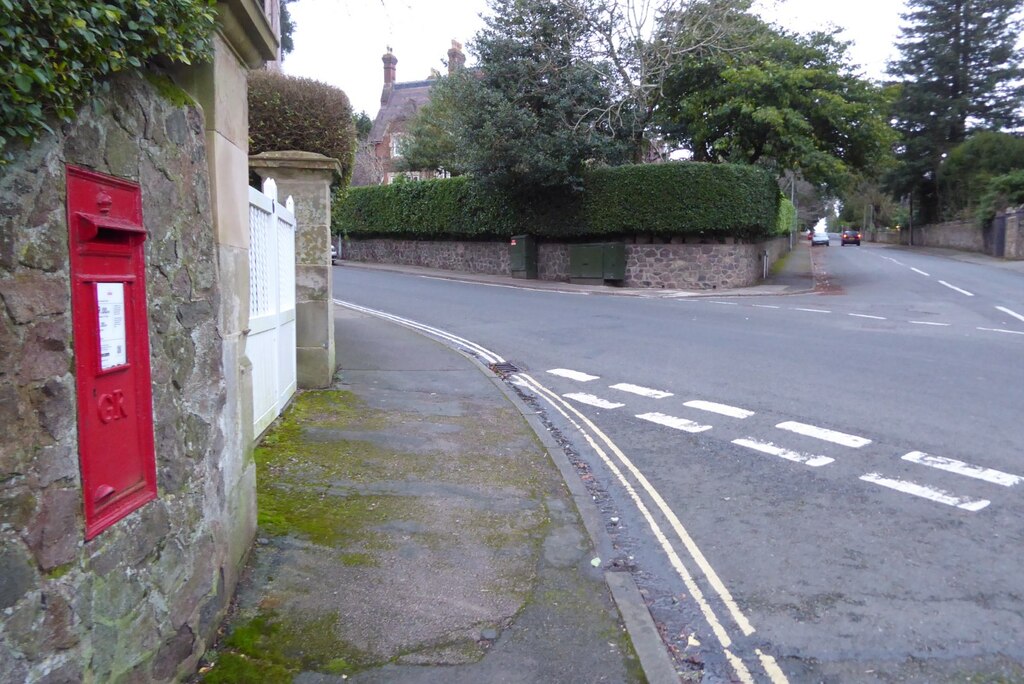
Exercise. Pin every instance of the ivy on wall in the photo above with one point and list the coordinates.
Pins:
(53, 52)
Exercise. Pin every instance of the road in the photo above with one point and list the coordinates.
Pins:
(821, 487)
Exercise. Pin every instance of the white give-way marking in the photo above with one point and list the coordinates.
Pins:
(1010, 313)
(674, 422)
(723, 409)
(642, 391)
(954, 287)
(591, 433)
(573, 375)
(769, 448)
(824, 433)
(967, 469)
(591, 400)
(929, 493)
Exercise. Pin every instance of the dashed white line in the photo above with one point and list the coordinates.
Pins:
(930, 493)
(1000, 330)
(766, 306)
(573, 375)
(941, 325)
(674, 422)
(713, 301)
(917, 270)
(591, 400)
(954, 287)
(797, 308)
(769, 448)
(898, 263)
(967, 469)
(824, 433)
(874, 318)
(1010, 313)
(642, 391)
(723, 409)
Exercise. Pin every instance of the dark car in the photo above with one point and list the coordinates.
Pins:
(850, 235)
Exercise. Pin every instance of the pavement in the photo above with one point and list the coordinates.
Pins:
(418, 523)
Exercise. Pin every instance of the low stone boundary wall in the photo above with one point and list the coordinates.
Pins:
(676, 265)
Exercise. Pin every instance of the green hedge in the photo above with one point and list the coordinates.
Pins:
(683, 198)
(52, 52)
(787, 218)
(293, 113)
(678, 199)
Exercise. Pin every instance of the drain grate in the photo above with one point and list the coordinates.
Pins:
(504, 369)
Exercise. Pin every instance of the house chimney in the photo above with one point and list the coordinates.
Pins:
(390, 61)
(456, 60)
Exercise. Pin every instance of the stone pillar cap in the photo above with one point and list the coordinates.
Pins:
(293, 160)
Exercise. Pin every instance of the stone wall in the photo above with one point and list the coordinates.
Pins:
(138, 602)
(673, 265)
(962, 235)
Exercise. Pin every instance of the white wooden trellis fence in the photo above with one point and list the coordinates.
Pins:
(271, 342)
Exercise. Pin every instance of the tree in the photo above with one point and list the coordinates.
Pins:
(523, 119)
(639, 43)
(965, 173)
(960, 71)
(780, 100)
(287, 28)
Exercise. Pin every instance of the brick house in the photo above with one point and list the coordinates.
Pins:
(399, 102)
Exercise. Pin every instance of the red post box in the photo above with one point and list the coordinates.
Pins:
(111, 341)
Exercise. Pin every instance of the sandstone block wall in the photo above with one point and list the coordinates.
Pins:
(673, 266)
(138, 602)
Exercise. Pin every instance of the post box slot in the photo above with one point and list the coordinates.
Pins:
(101, 228)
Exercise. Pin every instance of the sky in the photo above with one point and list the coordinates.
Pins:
(340, 42)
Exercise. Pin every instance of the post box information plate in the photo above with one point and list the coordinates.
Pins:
(113, 338)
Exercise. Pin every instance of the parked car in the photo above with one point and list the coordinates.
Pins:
(820, 238)
(334, 252)
(850, 235)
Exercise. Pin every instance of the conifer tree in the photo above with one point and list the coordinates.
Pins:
(960, 71)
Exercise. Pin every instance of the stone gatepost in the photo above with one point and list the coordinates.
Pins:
(307, 177)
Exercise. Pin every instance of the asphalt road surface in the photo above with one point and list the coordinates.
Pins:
(820, 487)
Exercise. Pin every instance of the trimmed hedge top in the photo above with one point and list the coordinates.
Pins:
(677, 199)
(52, 52)
(292, 113)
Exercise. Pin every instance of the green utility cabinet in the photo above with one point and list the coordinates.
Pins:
(523, 256)
(597, 263)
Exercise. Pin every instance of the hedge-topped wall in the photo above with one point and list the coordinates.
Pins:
(677, 199)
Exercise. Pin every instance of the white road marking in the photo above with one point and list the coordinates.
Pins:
(930, 493)
(954, 287)
(766, 306)
(771, 667)
(797, 308)
(824, 433)
(674, 422)
(509, 287)
(714, 301)
(709, 573)
(1011, 313)
(917, 270)
(1011, 332)
(573, 375)
(874, 318)
(899, 263)
(591, 400)
(564, 408)
(642, 391)
(724, 409)
(771, 449)
(942, 325)
(967, 469)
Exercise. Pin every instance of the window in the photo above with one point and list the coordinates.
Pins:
(396, 144)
